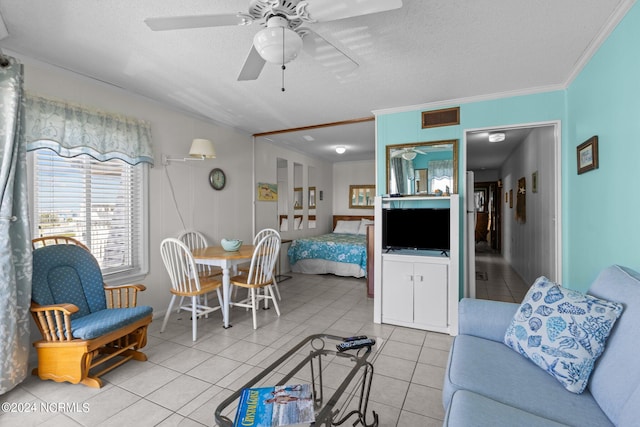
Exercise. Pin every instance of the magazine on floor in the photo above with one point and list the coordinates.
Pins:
(285, 405)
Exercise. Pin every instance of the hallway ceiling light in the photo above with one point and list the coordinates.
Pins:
(497, 137)
(340, 149)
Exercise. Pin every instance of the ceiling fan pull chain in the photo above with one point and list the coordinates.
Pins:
(283, 67)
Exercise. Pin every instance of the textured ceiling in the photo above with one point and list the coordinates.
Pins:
(426, 51)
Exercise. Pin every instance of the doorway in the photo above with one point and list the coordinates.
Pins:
(525, 161)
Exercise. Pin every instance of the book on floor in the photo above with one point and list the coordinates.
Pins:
(285, 405)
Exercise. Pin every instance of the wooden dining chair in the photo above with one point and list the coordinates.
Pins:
(260, 275)
(244, 268)
(187, 283)
(196, 240)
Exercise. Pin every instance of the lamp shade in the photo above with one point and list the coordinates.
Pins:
(202, 148)
(271, 41)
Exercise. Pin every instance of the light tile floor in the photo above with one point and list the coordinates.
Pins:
(183, 382)
(502, 284)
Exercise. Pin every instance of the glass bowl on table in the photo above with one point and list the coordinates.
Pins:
(230, 245)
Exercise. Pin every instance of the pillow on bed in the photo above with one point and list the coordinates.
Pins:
(347, 227)
(363, 226)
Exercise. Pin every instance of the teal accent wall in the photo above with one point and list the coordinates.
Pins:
(600, 209)
(603, 206)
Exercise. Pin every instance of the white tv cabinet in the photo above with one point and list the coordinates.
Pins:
(417, 289)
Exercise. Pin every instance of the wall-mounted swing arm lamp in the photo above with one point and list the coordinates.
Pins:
(201, 149)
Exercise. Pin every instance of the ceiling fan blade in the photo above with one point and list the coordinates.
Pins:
(326, 53)
(331, 10)
(198, 21)
(252, 67)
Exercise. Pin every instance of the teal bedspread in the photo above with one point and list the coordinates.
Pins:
(347, 248)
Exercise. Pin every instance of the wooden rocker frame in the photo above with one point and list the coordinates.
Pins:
(64, 358)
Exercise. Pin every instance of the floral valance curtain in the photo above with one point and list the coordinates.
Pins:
(70, 130)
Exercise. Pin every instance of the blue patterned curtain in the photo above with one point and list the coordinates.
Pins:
(70, 130)
(15, 238)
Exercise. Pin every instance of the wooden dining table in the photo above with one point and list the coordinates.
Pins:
(217, 256)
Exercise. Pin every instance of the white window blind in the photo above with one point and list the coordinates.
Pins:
(99, 203)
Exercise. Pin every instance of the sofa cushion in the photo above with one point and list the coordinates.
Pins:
(102, 322)
(494, 370)
(616, 375)
(563, 331)
(485, 412)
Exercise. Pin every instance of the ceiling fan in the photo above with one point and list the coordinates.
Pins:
(408, 153)
(283, 37)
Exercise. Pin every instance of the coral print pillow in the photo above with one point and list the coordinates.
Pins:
(562, 331)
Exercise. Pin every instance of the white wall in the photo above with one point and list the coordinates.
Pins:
(351, 173)
(528, 246)
(226, 213)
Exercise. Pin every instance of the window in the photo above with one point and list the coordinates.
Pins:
(102, 204)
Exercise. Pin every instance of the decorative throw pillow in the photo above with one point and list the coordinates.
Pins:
(562, 331)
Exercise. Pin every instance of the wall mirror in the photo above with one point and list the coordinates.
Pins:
(361, 196)
(423, 168)
(282, 166)
(311, 199)
(297, 198)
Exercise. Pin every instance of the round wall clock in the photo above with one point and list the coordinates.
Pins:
(217, 179)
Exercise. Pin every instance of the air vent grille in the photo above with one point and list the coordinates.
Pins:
(444, 117)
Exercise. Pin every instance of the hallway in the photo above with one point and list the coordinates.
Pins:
(496, 280)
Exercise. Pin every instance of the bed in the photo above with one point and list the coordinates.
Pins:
(342, 252)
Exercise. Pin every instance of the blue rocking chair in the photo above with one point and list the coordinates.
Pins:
(83, 322)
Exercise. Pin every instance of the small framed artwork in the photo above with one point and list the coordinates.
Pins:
(534, 182)
(480, 196)
(267, 192)
(588, 155)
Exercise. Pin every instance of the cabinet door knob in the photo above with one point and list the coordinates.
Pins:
(418, 278)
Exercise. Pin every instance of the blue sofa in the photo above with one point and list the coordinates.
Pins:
(489, 384)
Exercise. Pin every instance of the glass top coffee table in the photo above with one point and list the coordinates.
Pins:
(340, 381)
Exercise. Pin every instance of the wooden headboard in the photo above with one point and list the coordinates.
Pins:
(337, 218)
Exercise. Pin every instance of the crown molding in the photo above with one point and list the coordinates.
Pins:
(470, 99)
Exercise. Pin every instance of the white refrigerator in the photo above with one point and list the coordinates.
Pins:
(470, 239)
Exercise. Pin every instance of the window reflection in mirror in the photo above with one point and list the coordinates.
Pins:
(283, 193)
(424, 168)
(312, 196)
(298, 196)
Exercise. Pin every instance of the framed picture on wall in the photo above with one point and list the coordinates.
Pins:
(588, 155)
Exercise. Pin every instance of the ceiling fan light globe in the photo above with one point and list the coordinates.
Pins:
(409, 155)
(268, 43)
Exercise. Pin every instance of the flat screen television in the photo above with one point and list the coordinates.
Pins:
(416, 228)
